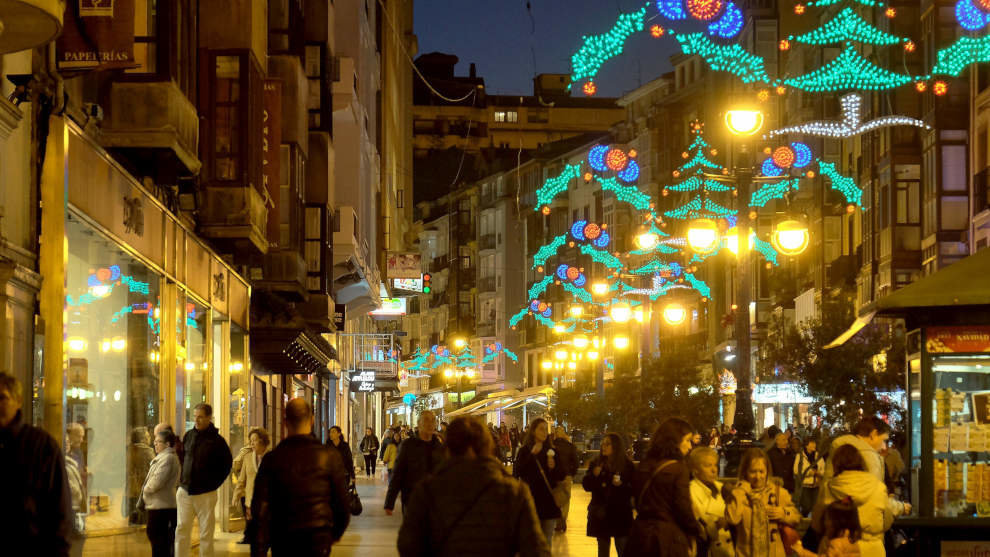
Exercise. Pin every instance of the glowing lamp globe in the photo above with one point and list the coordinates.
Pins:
(460, 343)
(599, 288)
(702, 236)
(647, 240)
(674, 314)
(560, 354)
(639, 315)
(559, 329)
(732, 240)
(546, 364)
(448, 373)
(620, 342)
(791, 237)
(576, 311)
(744, 122)
(580, 342)
(621, 312)
(593, 355)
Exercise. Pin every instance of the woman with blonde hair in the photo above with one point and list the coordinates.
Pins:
(260, 441)
(760, 508)
(708, 504)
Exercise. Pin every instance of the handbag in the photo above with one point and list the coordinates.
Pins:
(547, 482)
(356, 507)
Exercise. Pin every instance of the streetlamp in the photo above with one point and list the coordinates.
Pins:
(702, 236)
(674, 314)
(599, 288)
(790, 237)
(647, 240)
(620, 312)
(459, 374)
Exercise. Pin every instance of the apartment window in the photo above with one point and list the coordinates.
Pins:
(318, 64)
(538, 115)
(500, 116)
(285, 32)
(400, 198)
(165, 41)
(317, 247)
(512, 116)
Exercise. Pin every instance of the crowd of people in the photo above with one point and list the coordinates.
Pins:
(474, 489)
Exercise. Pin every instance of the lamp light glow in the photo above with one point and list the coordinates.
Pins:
(620, 312)
(647, 240)
(560, 354)
(593, 355)
(621, 342)
(674, 314)
(459, 343)
(76, 344)
(702, 236)
(744, 122)
(791, 237)
(546, 364)
(580, 342)
(576, 311)
(599, 288)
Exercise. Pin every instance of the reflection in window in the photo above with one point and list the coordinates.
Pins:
(196, 363)
(112, 326)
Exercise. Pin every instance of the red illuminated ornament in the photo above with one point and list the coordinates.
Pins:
(587, 176)
(572, 273)
(810, 174)
(783, 157)
(921, 86)
(542, 307)
(590, 88)
(103, 274)
(781, 89)
(910, 46)
(592, 231)
(705, 10)
(616, 160)
(985, 4)
(891, 12)
(632, 153)
(763, 95)
(676, 173)
(784, 44)
(799, 9)
(940, 88)
(656, 31)
(546, 209)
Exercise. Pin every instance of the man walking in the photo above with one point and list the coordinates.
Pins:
(33, 469)
(300, 505)
(418, 457)
(471, 506)
(205, 467)
(567, 459)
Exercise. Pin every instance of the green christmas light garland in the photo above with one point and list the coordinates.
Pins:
(598, 49)
(601, 256)
(843, 184)
(850, 70)
(626, 194)
(734, 59)
(958, 56)
(540, 287)
(695, 183)
(548, 251)
(770, 191)
(847, 25)
(556, 185)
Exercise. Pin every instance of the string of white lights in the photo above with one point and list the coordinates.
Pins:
(851, 123)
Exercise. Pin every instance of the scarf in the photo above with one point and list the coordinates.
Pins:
(760, 537)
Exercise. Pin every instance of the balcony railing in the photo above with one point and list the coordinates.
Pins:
(487, 241)
(486, 284)
(439, 263)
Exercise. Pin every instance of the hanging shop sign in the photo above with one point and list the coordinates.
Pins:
(942, 340)
(97, 35)
(365, 382)
(411, 285)
(391, 307)
(339, 316)
(271, 140)
(404, 265)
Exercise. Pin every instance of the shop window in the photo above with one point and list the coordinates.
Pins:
(193, 359)
(112, 329)
(240, 377)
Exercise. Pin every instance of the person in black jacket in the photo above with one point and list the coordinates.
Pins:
(665, 523)
(369, 448)
(536, 465)
(782, 460)
(35, 508)
(567, 459)
(206, 466)
(336, 436)
(300, 504)
(609, 480)
(418, 457)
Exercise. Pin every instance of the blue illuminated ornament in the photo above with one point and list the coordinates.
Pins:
(672, 9)
(580, 280)
(498, 346)
(534, 305)
(802, 154)
(596, 157)
(577, 229)
(729, 25)
(547, 312)
(602, 240)
(631, 173)
(768, 168)
(562, 271)
(114, 272)
(969, 16)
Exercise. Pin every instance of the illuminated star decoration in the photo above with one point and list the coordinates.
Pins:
(850, 124)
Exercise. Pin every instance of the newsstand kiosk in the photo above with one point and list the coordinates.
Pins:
(947, 318)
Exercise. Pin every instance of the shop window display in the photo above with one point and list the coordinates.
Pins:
(194, 358)
(112, 332)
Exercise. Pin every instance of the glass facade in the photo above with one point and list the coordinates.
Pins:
(112, 392)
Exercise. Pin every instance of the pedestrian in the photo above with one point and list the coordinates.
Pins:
(300, 506)
(609, 479)
(158, 495)
(514, 439)
(77, 490)
(538, 468)
(369, 448)
(769, 439)
(782, 461)
(842, 532)
(238, 488)
(852, 482)
(471, 506)
(418, 457)
(714, 439)
(33, 469)
(808, 470)
(206, 466)
(386, 441)
(709, 505)
(337, 441)
(391, 452)
(869, 437)
(567, 460)
(504, 444)
(139, 457)
(665, 523)
(760, 509)
(893, 464)
(179, 449)
(259, 441)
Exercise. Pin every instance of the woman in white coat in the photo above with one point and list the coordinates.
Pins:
(159, 495)
(259, 441)
(854, 483)
(708, 504)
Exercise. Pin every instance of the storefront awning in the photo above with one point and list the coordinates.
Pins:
(504, 400)
(959, 285)
(290, 351)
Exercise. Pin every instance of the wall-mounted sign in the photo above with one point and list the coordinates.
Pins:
(411, 285)
(958, 339)
(379, 385)
(404, 265)
(271, 140)
(97, 34)
(391, 307)
(339, 316)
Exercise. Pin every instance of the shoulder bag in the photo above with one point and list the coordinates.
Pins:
(650, 481)
(442, 543)
(547, 482)
(356, 507)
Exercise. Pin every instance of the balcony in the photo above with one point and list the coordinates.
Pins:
(344, 84)
(234, 216)
(439, 263)
(487, 242)
(154, 116)
(318, 312)
(486, 284)
(284, 271)
(29, 23)
(354, 280)
(485, 329)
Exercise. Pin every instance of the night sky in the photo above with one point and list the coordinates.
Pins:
(499, 37)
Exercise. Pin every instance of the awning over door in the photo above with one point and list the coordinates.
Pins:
(290, 351)
(505, 400)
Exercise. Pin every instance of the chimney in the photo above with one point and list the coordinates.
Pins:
(473, 72)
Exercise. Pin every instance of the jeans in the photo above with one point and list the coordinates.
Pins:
(603, 546)
(548, 527)
(564, 488)
(161, 532)
(194, 507)
(369, 464)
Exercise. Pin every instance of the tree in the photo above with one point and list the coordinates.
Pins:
(846, 382)
(675, 384)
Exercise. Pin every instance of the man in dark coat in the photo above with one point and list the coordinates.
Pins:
(35, 509)
(782, 461)
(471, 506)
(205, 467)
(300, 504)
(418, 457)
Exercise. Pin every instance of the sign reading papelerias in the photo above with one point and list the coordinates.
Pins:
(99, 34)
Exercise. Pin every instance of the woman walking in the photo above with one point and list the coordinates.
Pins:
(159, 495)
(665, 523)
(337, 442)
(260, 441)
(609, 480)
(369, 448)
(536, 465)
(760, 508)
(391, 452)
(809, 467)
